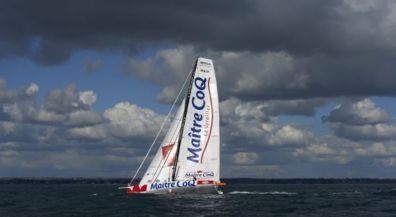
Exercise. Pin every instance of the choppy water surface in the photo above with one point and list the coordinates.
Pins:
(41, 199)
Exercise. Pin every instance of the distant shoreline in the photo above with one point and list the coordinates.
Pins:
(80, 180)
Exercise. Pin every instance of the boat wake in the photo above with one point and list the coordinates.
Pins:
(263, 192)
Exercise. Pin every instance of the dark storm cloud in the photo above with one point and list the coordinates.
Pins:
(50, 31)
(325, 45)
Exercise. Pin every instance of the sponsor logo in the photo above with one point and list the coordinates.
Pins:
(166, 185)
(199, 174)
(198, 103)
(205, 64)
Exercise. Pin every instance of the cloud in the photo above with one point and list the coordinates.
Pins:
(84, 118)
(129, 120)
(384, 131)
(361, 120)
(390, 162)
(96, 133)
(317, 50)
(305, 107)
(68, 100)
(277, 76)
(60, 108)
(289, 135)
(124, 121)
(246, 126)
(87, 97)
(323, 153)
(32, 89)
(23, 93)
(81, 141)
(75, 139)
(332, 28)
(358, 113)
(245, 158)
(376, 149)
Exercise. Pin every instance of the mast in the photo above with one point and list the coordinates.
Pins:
(183, 121)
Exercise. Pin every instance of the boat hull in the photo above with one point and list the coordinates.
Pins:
(176, 187)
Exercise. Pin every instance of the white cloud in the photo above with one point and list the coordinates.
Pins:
(357, 113)
(88, 97)
(129, 120)
(98, 132)
(376, 149)
(32, 89)
(83, 118)
(41, 115)
(382, 131)
(69, 100)
(323, 153)
(390, 162)
(289, 135)
(245, 157)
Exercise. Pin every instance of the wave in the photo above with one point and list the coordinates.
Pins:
(386, 192)
(345, 192)
(263, 192)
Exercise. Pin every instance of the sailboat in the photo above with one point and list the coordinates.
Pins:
(188, 159)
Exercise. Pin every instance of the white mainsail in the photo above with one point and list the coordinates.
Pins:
(199, 155)
(190, 151)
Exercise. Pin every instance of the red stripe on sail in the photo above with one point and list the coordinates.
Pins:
(211, 124)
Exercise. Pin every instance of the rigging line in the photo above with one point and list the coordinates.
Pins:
(162, 126)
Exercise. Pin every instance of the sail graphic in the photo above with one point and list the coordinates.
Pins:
(189, 155)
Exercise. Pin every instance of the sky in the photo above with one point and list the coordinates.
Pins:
(307, 88)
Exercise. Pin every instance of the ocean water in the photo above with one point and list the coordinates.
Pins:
(36, 199)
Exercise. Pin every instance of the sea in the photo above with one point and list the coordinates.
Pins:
(79, 197)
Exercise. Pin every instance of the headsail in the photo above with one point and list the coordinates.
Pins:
(160, 168)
